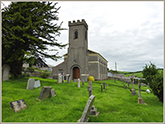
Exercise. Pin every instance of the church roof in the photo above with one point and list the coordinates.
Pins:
(90, 52)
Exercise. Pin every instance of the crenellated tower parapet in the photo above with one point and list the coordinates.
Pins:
(74, 23)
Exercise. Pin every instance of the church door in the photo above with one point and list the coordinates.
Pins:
(76, 73)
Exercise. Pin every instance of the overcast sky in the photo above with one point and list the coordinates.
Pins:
(128, 33)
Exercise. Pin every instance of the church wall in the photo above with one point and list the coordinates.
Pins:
(57, 69)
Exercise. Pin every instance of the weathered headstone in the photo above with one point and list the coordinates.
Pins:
(93, 111)
(78, 83)
(18, 105)
(104, 85)
(101, 88)
(133, 90)
(140, 100)
(5, 72)
(63, 80)
(37, 84)
(30, 84)
(83, 83)
(69, 78)
(45, 92)
(59, 79)
(84, 117)
(53, 93)
(90, 88)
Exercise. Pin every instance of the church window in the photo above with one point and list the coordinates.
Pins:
(85, 35)
(75, 34)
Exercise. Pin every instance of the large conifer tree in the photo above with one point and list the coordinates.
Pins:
(28, 28)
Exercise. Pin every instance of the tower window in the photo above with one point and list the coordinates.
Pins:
(85, 35)
(75, 34)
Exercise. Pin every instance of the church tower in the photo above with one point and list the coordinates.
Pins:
(76, 62)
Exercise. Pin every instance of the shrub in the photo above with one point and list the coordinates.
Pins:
(23, 68)
(157, 85)
(44, 74)
(148, 72)
(30, 69)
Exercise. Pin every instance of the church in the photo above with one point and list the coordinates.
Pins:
(80, 62)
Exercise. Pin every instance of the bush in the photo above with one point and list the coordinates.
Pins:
(30, 69)
(148, 73)
(23, 68)
(157, 86)
(155, 80)
(44, 74)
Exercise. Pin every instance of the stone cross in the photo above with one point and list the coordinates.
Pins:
(84, 117)
(18, 105)
(5, 72)
(59, 79)
(90, 88)
(45, 92)
(104, 85)
(78, 82)
(30, 84)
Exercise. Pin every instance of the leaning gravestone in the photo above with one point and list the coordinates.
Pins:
(30, 84)
(45, 92)
(84, 117)
(5, 72)
(18, 105)
(37, 84)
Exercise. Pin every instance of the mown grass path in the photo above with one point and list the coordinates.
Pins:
(115, 103)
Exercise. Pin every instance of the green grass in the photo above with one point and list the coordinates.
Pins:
(115, 103)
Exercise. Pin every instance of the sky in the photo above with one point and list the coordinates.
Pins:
(128, 33)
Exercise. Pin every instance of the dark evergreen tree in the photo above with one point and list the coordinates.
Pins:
(28, 28)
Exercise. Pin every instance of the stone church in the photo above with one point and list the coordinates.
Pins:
(80, 62)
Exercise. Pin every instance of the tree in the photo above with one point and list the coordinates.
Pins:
(155, 80)
(149, 71)
(28, 28)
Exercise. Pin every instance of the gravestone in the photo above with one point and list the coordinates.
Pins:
(59, 79)
(53, 93)
(37, 84)
(101, 88)
(78, 83)
(84, 117)
(30, 84)
(5, 72)
(133, 90)
(83, 83)
(63, 78)
(140, 100)
(45, 92)
(90, 88)
(69, 78)
(104, 85)
(93, 111)
(18, 105)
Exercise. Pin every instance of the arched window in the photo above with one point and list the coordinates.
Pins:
(75, 34)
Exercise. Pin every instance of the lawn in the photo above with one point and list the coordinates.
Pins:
(115, 103)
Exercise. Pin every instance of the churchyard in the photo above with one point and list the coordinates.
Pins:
(114, 102)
